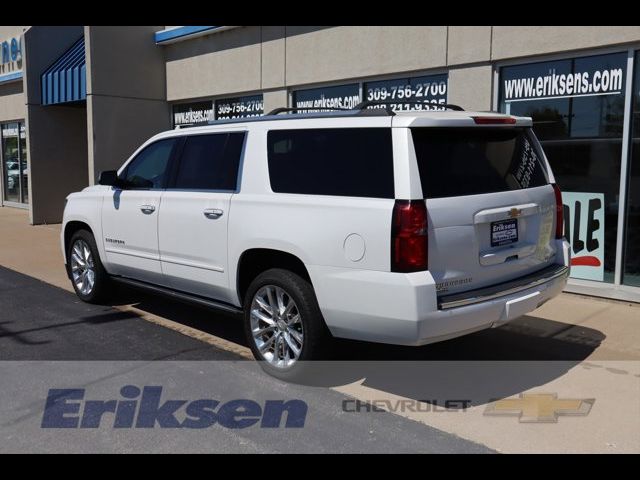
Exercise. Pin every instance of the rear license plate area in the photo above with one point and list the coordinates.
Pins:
(504, 232)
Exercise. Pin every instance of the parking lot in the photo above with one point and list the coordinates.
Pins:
(573, 347)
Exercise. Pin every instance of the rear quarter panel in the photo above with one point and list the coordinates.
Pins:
(347, 232)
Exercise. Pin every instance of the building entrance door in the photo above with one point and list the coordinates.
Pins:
(15, 167)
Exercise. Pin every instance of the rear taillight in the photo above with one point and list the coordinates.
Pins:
(494, 120)
(409, 248)
(559, 212)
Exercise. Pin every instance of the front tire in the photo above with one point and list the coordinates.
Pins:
(283, 324)
(88, 276)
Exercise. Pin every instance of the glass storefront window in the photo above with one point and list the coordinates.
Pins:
(631, 272)
(239, 107)
(192, 114)
(403, 93)
(577, 106)
(15, 166)
(336, 96)
(24, 164)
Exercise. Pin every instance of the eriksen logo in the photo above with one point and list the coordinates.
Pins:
(142, 408)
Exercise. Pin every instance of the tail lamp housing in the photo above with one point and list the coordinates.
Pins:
(409, 243)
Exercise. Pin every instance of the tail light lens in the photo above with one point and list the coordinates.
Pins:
(494, 120)
(559, 212)
(409, 247)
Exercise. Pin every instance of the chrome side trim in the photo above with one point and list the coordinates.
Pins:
(146, 256)
(507, 288)
(182, 263)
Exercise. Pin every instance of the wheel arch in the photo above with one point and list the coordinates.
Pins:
(69, 229)
(252, 262)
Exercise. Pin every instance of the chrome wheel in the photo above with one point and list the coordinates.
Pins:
(82, 267)
(276, 326)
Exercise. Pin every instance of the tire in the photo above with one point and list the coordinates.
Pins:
(316, 338)
(84, 240)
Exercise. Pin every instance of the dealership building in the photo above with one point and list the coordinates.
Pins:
(76, 100)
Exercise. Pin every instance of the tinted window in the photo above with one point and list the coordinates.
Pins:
(354, 162)
(470, 161)
(149, 168)
(210, 162)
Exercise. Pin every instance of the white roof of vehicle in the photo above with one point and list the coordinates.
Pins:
(356, 118)
(453, 118)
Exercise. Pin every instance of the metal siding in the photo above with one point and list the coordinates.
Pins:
(65, 80)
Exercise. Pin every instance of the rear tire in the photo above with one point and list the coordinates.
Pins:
(89, 278)
(283, 324)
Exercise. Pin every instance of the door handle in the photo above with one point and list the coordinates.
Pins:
(147, 209)
(213, 212)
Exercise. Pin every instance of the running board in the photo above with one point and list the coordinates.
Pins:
(177, 295)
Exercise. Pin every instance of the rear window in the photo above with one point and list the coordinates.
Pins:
(352, 162)
(470, 161)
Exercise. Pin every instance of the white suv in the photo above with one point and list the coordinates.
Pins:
(403, 228)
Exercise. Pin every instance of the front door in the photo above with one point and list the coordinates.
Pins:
(195, 214)
(130, 215)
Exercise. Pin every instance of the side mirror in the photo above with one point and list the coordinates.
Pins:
(109, 177)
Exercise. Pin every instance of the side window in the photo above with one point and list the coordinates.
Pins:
(210, 162)
(148, 170)
(351, 162)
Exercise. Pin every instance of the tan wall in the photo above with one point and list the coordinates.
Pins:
(278, 58)
(275, 99)
(470, 87)
(317, 54)
(468, 44)
(12, 101)
(11, 31)
(273, 57)
(509, 42)
(223, 63)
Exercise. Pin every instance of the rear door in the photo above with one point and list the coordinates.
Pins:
(490, 204)
(192, 229)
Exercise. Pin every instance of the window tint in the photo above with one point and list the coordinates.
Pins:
(149, 168)
(355, 162)
(210, 162)
(471, 161)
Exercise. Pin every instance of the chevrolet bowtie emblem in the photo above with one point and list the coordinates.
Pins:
(539, 407)
(515, 212)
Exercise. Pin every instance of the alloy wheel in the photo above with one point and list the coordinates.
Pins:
(82, 267)
(276, 326)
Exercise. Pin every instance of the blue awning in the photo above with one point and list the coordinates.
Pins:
(66, 80)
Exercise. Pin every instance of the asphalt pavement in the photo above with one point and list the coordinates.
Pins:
(42, 323)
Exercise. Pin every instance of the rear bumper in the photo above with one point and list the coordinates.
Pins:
(503, 289)
(404, 309)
